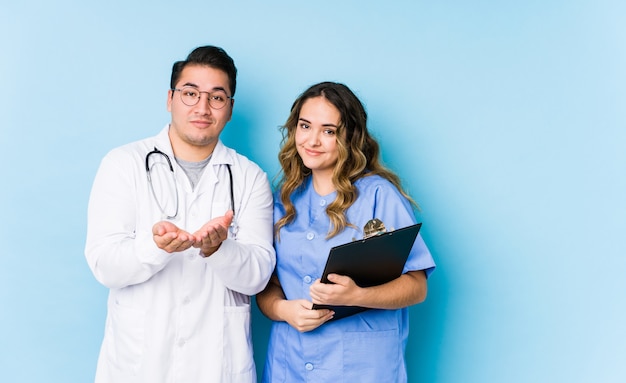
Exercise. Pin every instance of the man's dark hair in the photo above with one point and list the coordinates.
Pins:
(210, 56)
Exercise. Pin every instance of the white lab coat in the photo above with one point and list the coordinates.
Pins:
(177, 317)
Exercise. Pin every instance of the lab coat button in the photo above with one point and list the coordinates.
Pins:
(181, 342)
(310, 236)
(308, 366)
(307, 279)
(186, 300)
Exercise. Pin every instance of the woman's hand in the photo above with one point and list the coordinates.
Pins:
(300, 314)
(341, 292)
(406, 290)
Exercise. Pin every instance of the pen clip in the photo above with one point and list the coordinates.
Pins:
(373, 227)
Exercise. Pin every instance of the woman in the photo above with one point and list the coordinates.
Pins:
(332, 184)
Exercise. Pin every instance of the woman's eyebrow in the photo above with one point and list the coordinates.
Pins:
(309, 122)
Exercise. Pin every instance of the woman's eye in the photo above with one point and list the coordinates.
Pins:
(329, 132)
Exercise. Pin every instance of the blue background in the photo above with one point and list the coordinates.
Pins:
(506, 121)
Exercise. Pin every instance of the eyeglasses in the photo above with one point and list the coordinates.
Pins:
(190, 96)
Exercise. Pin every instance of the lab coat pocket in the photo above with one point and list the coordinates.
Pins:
(127, 334)
(371, 356)
(238, 342)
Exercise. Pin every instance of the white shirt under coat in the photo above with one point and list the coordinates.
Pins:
(177, 317)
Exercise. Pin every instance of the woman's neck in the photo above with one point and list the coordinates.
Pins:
(323, 184)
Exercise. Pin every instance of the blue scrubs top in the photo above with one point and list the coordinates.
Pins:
(366, 347)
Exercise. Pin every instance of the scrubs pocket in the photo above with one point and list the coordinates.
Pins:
(238, 361)
(371, 356)
(127, 336)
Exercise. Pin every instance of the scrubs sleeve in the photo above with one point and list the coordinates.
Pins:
(396, 212)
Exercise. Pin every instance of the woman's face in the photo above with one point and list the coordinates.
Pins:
(315, 137)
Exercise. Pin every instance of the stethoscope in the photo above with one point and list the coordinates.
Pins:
(233, 226)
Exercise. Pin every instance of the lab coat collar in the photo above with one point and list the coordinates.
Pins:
(222, 155)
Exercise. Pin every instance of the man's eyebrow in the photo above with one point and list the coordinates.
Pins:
(217, 88)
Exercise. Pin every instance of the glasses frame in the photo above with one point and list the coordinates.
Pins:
(180, 90)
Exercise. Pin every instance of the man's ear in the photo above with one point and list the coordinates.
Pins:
(170, 94)
(232, 105)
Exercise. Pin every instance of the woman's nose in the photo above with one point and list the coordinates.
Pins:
(314, 138)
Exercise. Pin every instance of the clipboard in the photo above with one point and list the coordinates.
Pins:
(369, 262)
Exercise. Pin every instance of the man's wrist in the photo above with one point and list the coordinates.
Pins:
(210, 252)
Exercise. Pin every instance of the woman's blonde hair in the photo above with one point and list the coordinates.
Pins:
(359, 155)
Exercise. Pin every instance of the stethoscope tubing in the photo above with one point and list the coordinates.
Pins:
(171, 167)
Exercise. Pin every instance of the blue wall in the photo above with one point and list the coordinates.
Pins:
(506, 121)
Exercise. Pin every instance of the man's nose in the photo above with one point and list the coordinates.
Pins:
(203, 106)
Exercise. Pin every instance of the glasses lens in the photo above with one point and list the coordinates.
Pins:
(217, 100)
(189, 96)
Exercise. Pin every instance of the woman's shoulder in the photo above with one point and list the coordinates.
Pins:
(374, 181)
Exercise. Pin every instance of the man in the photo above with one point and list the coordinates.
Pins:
(180, 231)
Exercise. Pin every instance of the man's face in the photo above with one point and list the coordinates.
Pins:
(195, 130)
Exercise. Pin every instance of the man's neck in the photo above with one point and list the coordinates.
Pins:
(189, 152)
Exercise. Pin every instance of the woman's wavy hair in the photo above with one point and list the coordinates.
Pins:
(359, 156)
